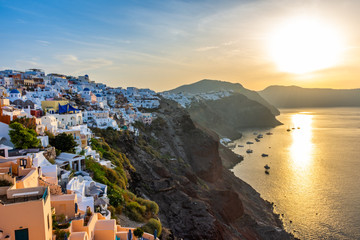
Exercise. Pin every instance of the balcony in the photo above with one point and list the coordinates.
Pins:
(24, 195)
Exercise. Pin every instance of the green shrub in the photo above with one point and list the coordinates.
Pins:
(5, 183)
(151, 225)
(60, 234)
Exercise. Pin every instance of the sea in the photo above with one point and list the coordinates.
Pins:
(314, 175)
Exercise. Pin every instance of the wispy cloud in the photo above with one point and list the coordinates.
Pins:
(204, 49)
(43, 43)
(80, 65)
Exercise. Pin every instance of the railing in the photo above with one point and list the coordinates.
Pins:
(45, 195)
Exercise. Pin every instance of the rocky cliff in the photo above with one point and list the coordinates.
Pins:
(179, 166)
(227, 116)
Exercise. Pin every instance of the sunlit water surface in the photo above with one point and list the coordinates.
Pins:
(314, 171)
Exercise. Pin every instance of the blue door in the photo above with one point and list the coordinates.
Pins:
(22, 234)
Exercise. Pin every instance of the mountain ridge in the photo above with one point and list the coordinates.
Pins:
(295, 96)
(208, 85)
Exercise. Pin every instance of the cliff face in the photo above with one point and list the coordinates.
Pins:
(178, 165)
(228, 115)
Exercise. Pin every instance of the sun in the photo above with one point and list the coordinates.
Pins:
(302, 45)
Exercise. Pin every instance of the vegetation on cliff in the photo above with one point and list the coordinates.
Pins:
(121, 199)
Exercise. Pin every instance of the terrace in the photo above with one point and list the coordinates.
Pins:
(24, 195)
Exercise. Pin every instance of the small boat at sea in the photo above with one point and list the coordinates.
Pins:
(266, 167)
(264, 155)
(257, 140)
(249, 151)
(249, 142)
(260, 136)
(293, 128)
(288, 129)
(267, 172)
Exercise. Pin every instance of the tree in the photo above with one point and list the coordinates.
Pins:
(27, 122)
(63, 142)
(22, 137)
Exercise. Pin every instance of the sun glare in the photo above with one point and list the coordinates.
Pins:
(305, 45)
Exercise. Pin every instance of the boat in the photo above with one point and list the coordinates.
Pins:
(257, 140)
(264, 155)
(269, 133)
(298, 127)
(249, 142)
(293, 128)
(260, 136)
(267, 172)
(266, 166)
(240, 145)
(288, 130)
(249, 151)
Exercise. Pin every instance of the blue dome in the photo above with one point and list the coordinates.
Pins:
(98, 95)
(14, 91)
(86, 89)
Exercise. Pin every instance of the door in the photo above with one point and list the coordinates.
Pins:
(22, 234)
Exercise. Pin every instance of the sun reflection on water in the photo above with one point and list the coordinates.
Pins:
(302, 147)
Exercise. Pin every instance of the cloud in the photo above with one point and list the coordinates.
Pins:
(77, 65)
(204, 49)
(25, 64)
(43, 43)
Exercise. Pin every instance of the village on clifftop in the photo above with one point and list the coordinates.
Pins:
(34, 190)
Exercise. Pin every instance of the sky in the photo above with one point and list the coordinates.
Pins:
(165, 44)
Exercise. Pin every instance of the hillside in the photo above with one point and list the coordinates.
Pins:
(296, 97)
(227, 116)
(207, 85)
(179, 166)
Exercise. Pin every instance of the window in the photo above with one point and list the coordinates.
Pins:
(48, 221)
(23, 162)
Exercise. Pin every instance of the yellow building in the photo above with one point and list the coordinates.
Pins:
(53, 105)
(65, 204)
(25, 212)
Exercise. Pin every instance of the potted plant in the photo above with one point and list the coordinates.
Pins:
(138, 233)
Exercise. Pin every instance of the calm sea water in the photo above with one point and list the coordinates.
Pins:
(314, 175)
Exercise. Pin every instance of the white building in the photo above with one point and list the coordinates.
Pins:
(75, 162)
(50, 123)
